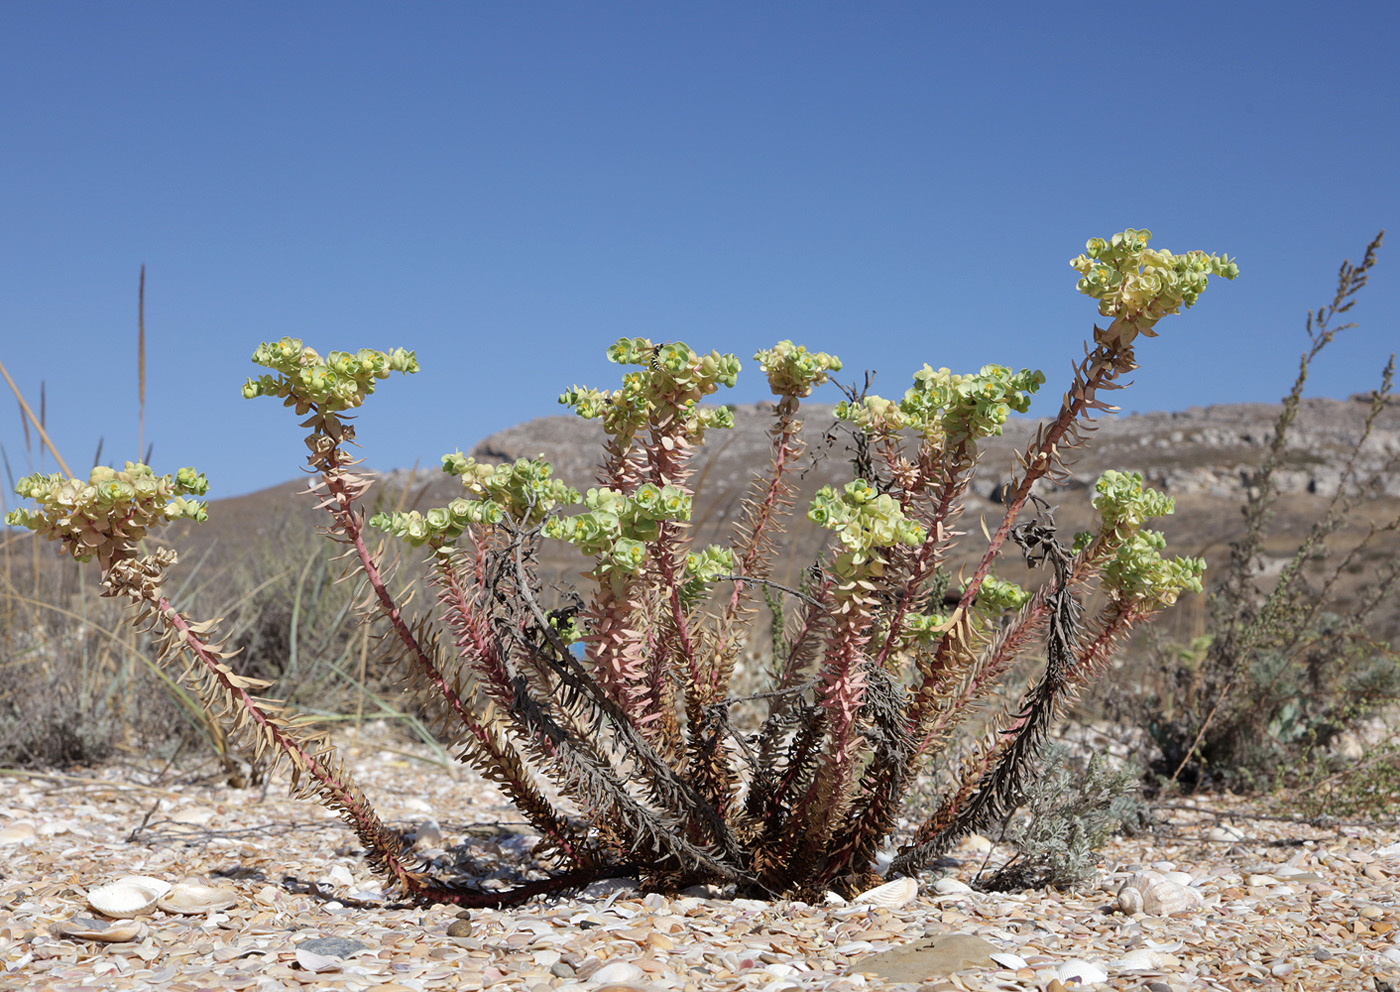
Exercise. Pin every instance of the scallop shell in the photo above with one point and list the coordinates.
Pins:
(157, 885)
(891, 895)
(1081, 972)
(1157, 895)
(615, 972)
(194, 899)
(126, 898)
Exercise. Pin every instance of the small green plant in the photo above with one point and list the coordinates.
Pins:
(624, 703)
(1285, 667)
(1068, 816)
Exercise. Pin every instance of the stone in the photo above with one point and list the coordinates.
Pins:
(332, 947)
(927, 958)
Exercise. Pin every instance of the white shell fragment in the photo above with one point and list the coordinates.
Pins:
(123, 900)
(1012, 962)
(86, 928)
(950, 886)
(616, 972)
(1152, 893)
(1081, 972)
(18, 833)
(1146, 960)
(194, 899)
(427, 835)
(339, 876)
(891, 895)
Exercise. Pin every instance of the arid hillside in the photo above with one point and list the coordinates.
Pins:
(1204, 457)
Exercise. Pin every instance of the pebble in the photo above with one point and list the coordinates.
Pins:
(1317, 923)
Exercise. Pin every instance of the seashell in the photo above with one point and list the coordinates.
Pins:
(194, 899)
(977, 842)
(891, 895)
(87, 928)
(1224, 833)
(616, 972)
(428, 835)
(1179, 877)
(1081, 972)
(123, 899)
(1145, 960)
(339, 876)
(950, 886)
(1129, 901)
(705, 890)
(1167, 898)
(1011, 962)
(18, 833)
(196, 815)
(157, 885)
(834, 899)
(1157, 895)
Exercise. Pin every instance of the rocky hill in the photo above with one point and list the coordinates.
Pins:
(1205, 457)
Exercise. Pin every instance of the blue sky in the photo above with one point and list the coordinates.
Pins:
(509, 187)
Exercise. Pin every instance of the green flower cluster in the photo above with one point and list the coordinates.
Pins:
(1125, 504)
(996, 596)
(703, 568)
(616, 527)
(567, 627)
(925, 629)
(941, 403)
(709, 564)
(794, 371)
(524, 490)
(440, 525)
(340, 381)
(1141, 285)
(863, 520)
(1138, 572)
(672, 381)
(112, 510)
